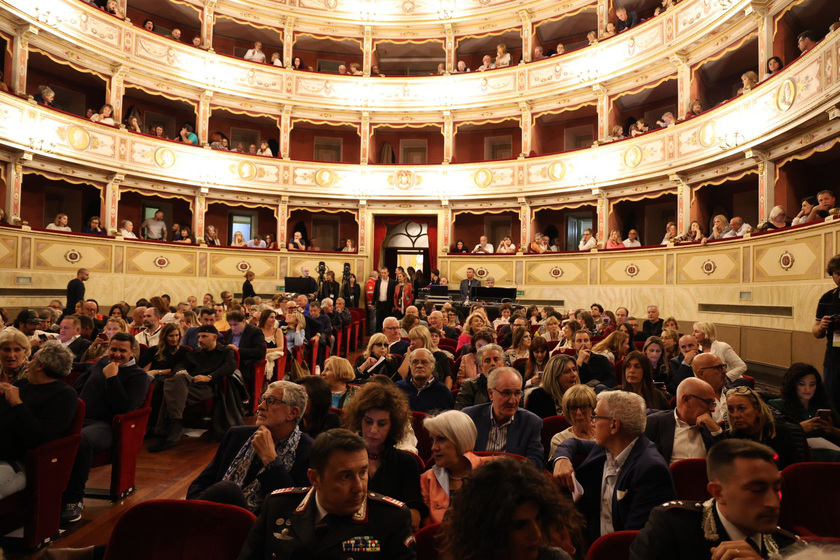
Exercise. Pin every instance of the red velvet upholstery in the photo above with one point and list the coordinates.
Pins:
(426, 543)
(259, 381)
(810, 494)
(360, 322)
(180, 530)
(690, 480)
(551, 425)
(534, 328)
(38, 506)
(552, 344)
(615, 546)
(568, 351)
(448, 344)
(129, 429)
(498, 454)
(750, 379)
(424, 440)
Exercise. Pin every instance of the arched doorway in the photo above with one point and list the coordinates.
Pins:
(403, 241)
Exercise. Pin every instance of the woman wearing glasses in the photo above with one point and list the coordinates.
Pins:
(749, 418)
(560, 375)
(578, 405)
(380, 414)
(375, 360)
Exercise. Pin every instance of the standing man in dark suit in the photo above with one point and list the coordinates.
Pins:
(501, 424)
(469, 283)
(248, 339)
(76, 290)
(689, 431)
(739, 522)
(383, 297)
(623, 475)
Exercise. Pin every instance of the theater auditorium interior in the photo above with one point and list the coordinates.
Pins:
(638, 191)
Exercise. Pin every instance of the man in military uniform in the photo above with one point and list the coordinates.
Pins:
(738, 523)
(336, 518)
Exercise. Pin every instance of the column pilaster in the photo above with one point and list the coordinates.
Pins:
(282, 214)
(110, 214)
(14, 188)
(202, 117)
(758, 10)
(364, 133)
(446, 213)
(116, 91)
(208, 16)
(285, 131)
(288, 41)
(525, 124)
(683, 201)
(766, 183)
(367, 50)
(199, 211)
(680, 61)
(525, 224)
(448, 137)
(449, 47)
(20, 57)
(365, 217)
(603, 110)
(527, 35)
(603, 16)
(603, 216)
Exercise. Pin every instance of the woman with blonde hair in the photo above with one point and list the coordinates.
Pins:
(614, 242)
(502, 56)
(671, 343)
(60, 223)
(578, 406)
(99, 346)
(720, 226)
(474, 323)
(749, 81)
(614, 347)
(748, 417)
(705, 333)
(14, 355)
(552, 329)
(339, 372)
(560, 374)
(375, 360)
(453, 436)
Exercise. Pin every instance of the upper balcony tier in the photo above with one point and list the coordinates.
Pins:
(76, 34)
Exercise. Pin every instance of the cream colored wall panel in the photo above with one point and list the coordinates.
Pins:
(232, 265)
(715, 266)
(501, 271)
(730, 334)
(570, 271)
(633, 270)
(766, 346)
(148, 260)
(72, 255)
(784, 261)
(8, 252)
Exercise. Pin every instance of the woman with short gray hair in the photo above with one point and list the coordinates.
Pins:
(14, 354)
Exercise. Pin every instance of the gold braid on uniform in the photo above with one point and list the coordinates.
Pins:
(710, 531)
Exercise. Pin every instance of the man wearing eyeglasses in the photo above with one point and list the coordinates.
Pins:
(391, 330)
(712, 370)
(502, 425)
(623, 476)
(688, 431)
(253, 461)
(425, 393)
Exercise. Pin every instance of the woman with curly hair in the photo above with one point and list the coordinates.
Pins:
(474, 323)
(380, 414)
(508, 511)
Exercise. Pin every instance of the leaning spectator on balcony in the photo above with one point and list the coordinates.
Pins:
(256, 54)
(632, 239)
(539, 53)
(737, 228)
(187, 134)
(256, 243)
(614, 242)
(720, 227)
(356, 69)
(807, 40)
(216, 141)
(45, 96)
(666, 120)
(588, 241)
(127, 230)
(626, 20)
(609, 30)
(264, 149)
(776, 220)
(94, 226)
(297, 242)
(808, 204)
(462, 67)
(175, 35)
(592, 37)
(502, 56)
(617, 133)
(132, 123)
(486, 63)
(276, 60)
(238, 240)
(749, 81)
(60, 223)
(342, 69)
(184, 236)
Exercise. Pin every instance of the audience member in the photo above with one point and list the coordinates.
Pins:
(340, 499)
(502, 56)
(826, 203)
(318, 416)
(748, 417)
(638, 379)
(251, 462)
(623, 476)
(255, 54)
(188, 135)
(45, 96)
(738, 522)
(807, 40)
(475, 391)
(69, 335)
(593, 369)
(578, 406)
(246, 339)
(501, 424)
(94, 226)
(712, 370)
(626, 20)
(60, 223)
(588, 241)
(705, 333)
(154, 227)
(376, 360)
(688, 431)
(486, 63)
(803, 217)
(113, 385)
(737, 228)
(14, 355)
(425, 393)
(380, 414)
(632, 239)
(560, 375)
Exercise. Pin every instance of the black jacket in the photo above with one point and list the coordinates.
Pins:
(270, 479)
(598, 370)
(251, 348)
(389, 300)
(661, 427)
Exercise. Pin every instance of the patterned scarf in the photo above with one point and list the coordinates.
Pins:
(238, 469)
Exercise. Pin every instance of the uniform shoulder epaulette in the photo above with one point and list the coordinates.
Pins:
(386, 499)
(683, 504)
(291, 490)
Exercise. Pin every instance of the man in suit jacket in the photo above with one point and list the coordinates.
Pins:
(475, 391)
(383, 297)
(436, 320)
(505, 334)
(279, 453)
(248, 339)
(391, 330)
(468, 283)
(735, 524)
(69, 334)
(593, 369)
(689, 431)
(679, 368)
(501, 424)
(623, 475)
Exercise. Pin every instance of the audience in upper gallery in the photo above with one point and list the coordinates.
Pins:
(188, 135)
(374, 71)
(694, 233)
(158, 131)
(671, 234)
(132, 123)
(749, 417)
(588, 241)
(149, 25)
(175, 35)
(196, 42)
(356, 69)
(826, 203)
(774, 65)
(37, 408)
(612, 501)
(483, 246)
(560, 49)
(632, 239)
(749, 80)
(639, 127)
(264, 149)
(617, 133)
(154, 227)
(441, 69)
(663, 7)
(804, 400)
(592, 37)
(807, 40)
(255, 54)
(614, 242)
(609, 30)
(461, 68)
(626, 20)
(539, 53)
(486, 63)
(666, 120)
(60, 223)
(539, 244)
(276, 59)
(737, 228)
(127, 230)
(720, 227)
(776, 219)
(694, 109)
(45, 96)
(379, 413)
(342, 70)
(506, 246)
(105, 115)
(94, 227)
(113, 8)
(502, 56)
(804, 215)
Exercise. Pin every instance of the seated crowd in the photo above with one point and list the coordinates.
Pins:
(459, 391)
